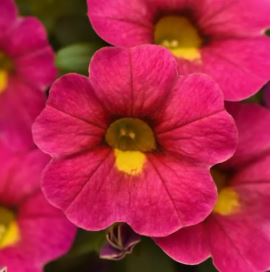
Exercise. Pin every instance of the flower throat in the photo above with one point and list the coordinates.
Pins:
(130, 138)
(9, 230)
(228, 199)
(5, 69)
(180, 36)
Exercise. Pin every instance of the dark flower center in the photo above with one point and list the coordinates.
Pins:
(130, 134)
(220, 177)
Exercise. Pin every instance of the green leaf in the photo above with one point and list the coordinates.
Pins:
(75, 58)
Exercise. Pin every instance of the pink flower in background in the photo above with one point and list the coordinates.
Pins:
(26, 62)
(32, 232)
(236, 234)
(224, 39)
(134, 142)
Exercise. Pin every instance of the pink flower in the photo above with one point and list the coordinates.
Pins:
(236, 234)
(26, 61)
(32, 232)
(134, 142)
(223, 38)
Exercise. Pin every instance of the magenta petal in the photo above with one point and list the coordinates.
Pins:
(20, 104)
(37, 69)
(170, 192)
(41, 222)
(257, 171)
(134, 20)
(137, 87)
(40, 226)
(239, 18)
(15, 170)
(231, 238)
(8, 14)
(27, 45)
(26, 37)
(253, 124)
(195, 123)
(232, 246)
(73, 106)
(188, 245)
(238, 71)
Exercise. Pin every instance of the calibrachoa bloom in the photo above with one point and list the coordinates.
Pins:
(223, 38)
(134, 142)
(26, 60)
(236, 234)
(32, 232)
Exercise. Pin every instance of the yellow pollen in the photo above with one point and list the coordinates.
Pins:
(228, 202)
(130, 162)
(132, 135)
(180, 36)
(9, 229)
(3, 80)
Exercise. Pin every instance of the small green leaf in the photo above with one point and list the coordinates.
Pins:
(75, 58)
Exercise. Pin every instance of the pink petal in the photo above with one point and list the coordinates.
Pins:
(37, 69)
(195, 123)
(168, 195)
(140, 85)
(253, 124)
(27, 45)
(20, 170)
(188, 245)
(238, 71)
(20, 104)
(27, 36)
(36, 220)
(132, 22)
(231, 237)
(257, 171)
(227, 18)
(40, 226)
(73, 107)
(8, 14)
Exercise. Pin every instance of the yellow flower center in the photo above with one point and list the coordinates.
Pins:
(9, 229)
(130, 138)
(180, 36)
(228, 199)
(228, 202)
(5, 69)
